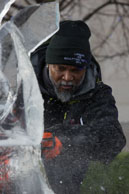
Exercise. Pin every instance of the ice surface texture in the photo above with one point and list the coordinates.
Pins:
(21, 103)
(4, 7)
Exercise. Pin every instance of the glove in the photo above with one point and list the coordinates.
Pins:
(51, 146)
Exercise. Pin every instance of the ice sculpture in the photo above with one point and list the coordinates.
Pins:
(39, 23)
(21, 119)
(33, 23)
(21, 91)
(4, 7)
(21, 104)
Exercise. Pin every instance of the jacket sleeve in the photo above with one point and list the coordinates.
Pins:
(101, 137)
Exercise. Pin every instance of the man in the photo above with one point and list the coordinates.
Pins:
(80, 116)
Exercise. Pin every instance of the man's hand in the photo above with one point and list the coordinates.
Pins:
(51, 146)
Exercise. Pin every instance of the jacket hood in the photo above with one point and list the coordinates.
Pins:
(93, 74)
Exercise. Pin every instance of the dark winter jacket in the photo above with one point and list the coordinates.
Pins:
(87, 126)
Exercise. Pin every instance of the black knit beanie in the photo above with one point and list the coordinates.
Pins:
(70, 45)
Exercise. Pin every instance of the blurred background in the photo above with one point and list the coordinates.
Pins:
(109, 24)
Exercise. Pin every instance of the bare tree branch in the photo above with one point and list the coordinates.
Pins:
(67, 4)
(88, 16)
(118, 54)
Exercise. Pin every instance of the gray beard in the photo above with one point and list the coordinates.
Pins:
(66, 95)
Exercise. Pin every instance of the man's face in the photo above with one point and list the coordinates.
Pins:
(66, 79)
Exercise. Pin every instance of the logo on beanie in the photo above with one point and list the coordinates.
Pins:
(78, 58)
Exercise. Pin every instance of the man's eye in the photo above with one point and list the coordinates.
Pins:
(75, 70)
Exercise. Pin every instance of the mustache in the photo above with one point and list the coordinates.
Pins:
(64, 83)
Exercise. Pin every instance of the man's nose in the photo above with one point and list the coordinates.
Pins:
(67, 76)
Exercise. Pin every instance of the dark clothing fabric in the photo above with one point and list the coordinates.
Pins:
(87, 126)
